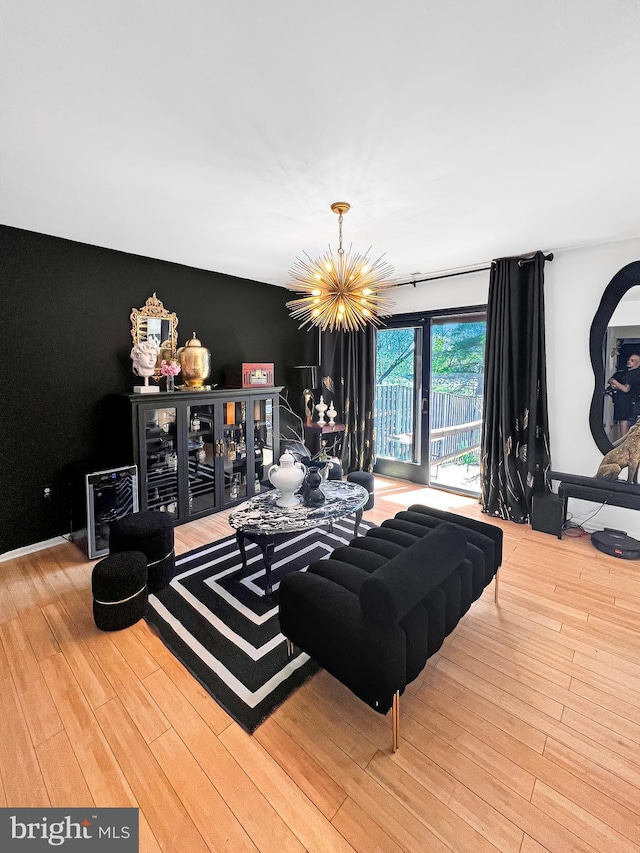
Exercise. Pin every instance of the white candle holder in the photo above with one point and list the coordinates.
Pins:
(321, 408)
(331, 412)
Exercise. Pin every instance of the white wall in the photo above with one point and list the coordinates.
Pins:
(574, 283)
(457, 292)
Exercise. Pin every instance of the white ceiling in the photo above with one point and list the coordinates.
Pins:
(218, 134)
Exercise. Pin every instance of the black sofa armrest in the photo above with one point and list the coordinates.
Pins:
(491, 531)
(390, 592)
(326, 621)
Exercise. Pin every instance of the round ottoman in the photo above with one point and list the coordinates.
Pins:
(119, 587)
(363, 478)
(152, 533)
(335, 472)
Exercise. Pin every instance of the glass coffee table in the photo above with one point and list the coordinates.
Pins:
(259, 520)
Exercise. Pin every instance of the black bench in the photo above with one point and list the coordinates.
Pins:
(595, 490)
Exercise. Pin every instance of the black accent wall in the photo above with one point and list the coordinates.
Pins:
(67, 338)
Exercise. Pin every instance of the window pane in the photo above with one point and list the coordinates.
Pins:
(455, 410)
(396, 433)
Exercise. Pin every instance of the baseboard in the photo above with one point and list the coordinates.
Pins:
(30, 549)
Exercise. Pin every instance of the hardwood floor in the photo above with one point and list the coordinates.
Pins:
(521, 734)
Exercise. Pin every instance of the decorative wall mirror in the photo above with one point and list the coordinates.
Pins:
(615, 333)
(154, 322)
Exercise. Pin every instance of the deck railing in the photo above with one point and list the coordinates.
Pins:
(455, 421)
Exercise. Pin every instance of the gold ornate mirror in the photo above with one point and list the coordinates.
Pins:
(154, 322)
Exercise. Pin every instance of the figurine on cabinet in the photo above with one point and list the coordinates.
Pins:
(144, 356)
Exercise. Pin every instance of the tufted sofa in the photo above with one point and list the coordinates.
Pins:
(377, 609)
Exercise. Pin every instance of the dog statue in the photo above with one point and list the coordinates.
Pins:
(625, 454)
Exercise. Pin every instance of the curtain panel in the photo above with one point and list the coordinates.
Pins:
(348, 378)
(515, 455)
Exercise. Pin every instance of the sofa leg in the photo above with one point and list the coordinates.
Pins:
(289, 648)
(395, 720)
(495, 589)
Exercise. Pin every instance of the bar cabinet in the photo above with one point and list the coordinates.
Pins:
(198, 452)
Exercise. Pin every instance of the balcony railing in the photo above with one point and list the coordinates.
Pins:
(455, 421)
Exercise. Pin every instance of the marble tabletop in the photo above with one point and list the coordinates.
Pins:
(261, 515)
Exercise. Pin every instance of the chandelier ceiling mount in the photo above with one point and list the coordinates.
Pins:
(341, 207)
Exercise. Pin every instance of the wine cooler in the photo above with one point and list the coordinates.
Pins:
(108, 495)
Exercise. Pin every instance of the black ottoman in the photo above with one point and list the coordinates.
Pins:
(152, 533)
(335, 472)
(363, 478)
(119, 587)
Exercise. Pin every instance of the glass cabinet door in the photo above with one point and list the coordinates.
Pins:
(263, 442)
(234, 450)
(161, 459)
(200, 459)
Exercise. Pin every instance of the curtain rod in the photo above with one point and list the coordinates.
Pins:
(524, 261)
(415, 281)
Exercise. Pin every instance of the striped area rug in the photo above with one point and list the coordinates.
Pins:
(216, 619)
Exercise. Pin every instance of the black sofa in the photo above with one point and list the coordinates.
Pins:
(377, 609)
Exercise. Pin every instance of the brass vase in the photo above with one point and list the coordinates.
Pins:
(195, 362)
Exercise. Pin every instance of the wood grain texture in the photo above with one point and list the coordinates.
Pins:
(172, 824)
(62, 773)
(522, 734)
(22, 780)
(240, 799)
(36, 702)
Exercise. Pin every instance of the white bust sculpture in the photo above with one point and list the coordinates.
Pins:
(144, 357)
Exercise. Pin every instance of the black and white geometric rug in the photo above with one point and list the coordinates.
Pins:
(216, 619)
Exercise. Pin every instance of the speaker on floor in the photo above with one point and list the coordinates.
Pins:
(547, 513)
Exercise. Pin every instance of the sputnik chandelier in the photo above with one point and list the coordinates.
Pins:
(343, 293)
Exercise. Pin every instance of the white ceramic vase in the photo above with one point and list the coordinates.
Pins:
(287, 478)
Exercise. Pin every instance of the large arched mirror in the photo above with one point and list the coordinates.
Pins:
(615, 334)
(154, 322)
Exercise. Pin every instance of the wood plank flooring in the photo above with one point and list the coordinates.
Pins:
(521, 735)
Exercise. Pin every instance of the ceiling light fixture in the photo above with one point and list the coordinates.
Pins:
(343, 293)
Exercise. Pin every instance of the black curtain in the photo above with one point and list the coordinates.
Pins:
(515, 455)
(348, 378)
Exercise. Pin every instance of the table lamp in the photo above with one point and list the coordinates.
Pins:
(305, 378)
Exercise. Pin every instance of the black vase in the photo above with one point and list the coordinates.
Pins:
(312, 494)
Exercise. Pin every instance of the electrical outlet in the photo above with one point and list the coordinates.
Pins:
(46, 493)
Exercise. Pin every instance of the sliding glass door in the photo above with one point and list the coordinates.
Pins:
(398, 418)
(428, 410)
(455, 410)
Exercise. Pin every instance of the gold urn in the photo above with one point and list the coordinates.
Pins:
(195, 362)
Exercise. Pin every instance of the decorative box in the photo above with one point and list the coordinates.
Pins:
(249, 374)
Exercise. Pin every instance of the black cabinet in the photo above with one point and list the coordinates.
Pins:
(197, 452)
